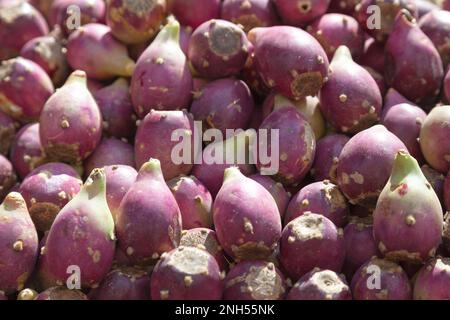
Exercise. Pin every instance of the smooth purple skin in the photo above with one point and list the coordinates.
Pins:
(436, 179)
(310, 241)
(61, 293)
(154, 140)
(446, 5)
(253, 79)
(47, 189)
(300, 13)
(373, 55)
(326, 160)
(195, 12)
(20, 101)
(148, 226)
(194, 200)
(447, 192)
(295, 159)
(186, 273)
(433, 280)
(256, 119)
(7, 176)
(436, 25)
(394, 283)
(110, 151)
(255, 280)
(117, 110)
(224, 104)
(19, 23)
(343, 6)
(91, 12)
(185, 38)
(289, 60)
(375, 147)
(94, 85)
(19, 240)
(424, 7)
(447, 85)
(320, 285)
(393, 98)
(7, 132)
(276, 189)
(27, 152)
(250, 13)
(379, 79)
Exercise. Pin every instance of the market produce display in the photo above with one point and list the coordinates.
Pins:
(224, 150)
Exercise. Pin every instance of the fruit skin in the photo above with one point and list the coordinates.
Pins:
(91, 12)
(432, 280)
(162, 79)
(25, 104)
(64, 135)
(224, 104)
(425, 6)
(416, 73)
(255, 280)
(8, 177)
(320, 285)
(375, 147)
(148, 226)
(447, 192)
(434, 140)
(61, 293)
(373, 55)
(7, 132)
(343, 6)
(218, 49)
(47, 189)
(194, 200)
(299, 13)
(276, 189)
(82, 235)
(289, 60)
(246, 218)
(350, 99)
(446, 5)
(379, 79)
(195, 12)
(436, 25)
(393, 281)
(392, 98)
(447, 85)
(19, 241)
(135, 22)
(436, 179)
(186, 273)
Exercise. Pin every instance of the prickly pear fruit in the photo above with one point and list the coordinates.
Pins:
(62, 13)
(300, 12)
(436, 25)
(436, 179)
(8, 177)
(194, 12)
(61, 293)
(433, 280)
(7, 132)
(276, 189)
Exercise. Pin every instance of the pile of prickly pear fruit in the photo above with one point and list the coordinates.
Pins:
(224, 149)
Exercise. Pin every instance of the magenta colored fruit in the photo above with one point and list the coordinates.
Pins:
(256, 119)
(447, 85)
(434, 138)
(297, 145)
(186, 273)
(47, 189)
(447, 192)
(343, 6)
(375, 147)
(408, 218)
(27, 152)
(320, 285)
(446, 5)
(19, 23)
(425, 6)
(326, 160)
(433, 280)
(135, 21)
(18, 99)
(70, 123)
(92, 11)
(254, 280)
(61, 293)
(246, 217)
(7, 132)
(162, 79)
(380, 279)
(436, 25)
(94, 85)
(392, 98)
(110, 151)
(125, 283)
(436, 179)
(350, 100)
(42, 5)
(405, 121)
(185, 38)
(276, 189)
(250, 13)
(253, 79)
(7, 177)
(373, 55)
(379, 79)
(301, 12)
(289, 60)
(193, 13)
(416, 73)
(310, 241)
(223, 104)
(194, 200)
(148, 226)
(333, 30)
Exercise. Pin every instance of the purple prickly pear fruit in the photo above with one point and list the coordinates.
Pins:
(61, 293)
(186, 273)
(375, 147)
(380, 279)
(447, 85)
(373, 55)
(94, 49)
(425, 6)
(326, 160)
(224, 104)
(94, 85)
(350, 100)
(436, 179)
(393, 98)
(137, 21)
(301, 12)
(276, 189)
(7, 132)
(82, 235)
(289, 60)
(447, 192)
(194, 200)
(433, 280)
(255, 280)
(8, 177)
(434, 140)
(416, 73)
(218, 49)
(446, 5)
(92, 11)
(407, 206)
(309, 241)
(379, 79)
(320, 285)
(70, 123)
(436, 25)
(253, 79)
(148, 226)
(47, 189)
(246, 217)
(19, 241)
(193, 13)
(323, 198)
(343, 6)
(185, 38)
(17, 99)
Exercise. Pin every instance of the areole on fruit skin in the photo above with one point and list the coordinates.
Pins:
(300, 12)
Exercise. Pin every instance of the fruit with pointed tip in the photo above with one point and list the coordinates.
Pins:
(436, 25)
(392, 98)
(276, 189)
(301, 12)
(195, 12)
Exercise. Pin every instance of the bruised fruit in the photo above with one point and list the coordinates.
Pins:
(433, 280)
(300, 12)
(7, 177)
(436, 25)
(7, 132)
(276, 189)
(194, 12)
(61, 293)
(63, 13)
